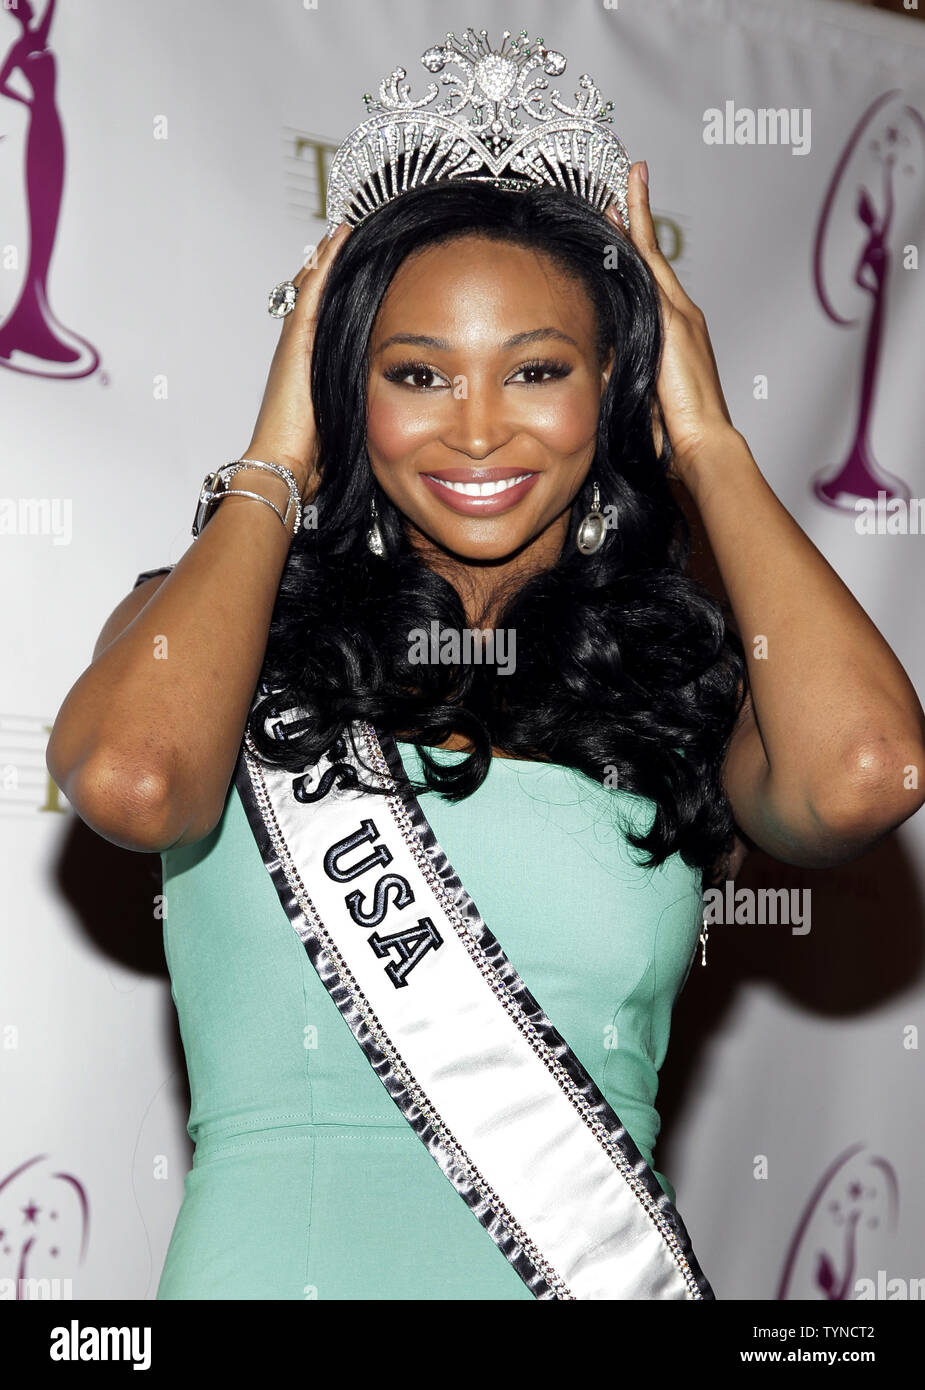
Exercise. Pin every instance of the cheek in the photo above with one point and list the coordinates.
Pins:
(564, 421)
(396, 425)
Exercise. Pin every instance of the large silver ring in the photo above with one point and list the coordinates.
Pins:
(282, 299)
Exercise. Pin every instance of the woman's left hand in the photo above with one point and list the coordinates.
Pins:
(688, 386)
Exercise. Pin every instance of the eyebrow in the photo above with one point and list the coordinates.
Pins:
(533, 335)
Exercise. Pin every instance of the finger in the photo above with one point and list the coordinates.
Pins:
(310, 279)
(642, 223)
(638, 242)
(323, 253)
(642, 232)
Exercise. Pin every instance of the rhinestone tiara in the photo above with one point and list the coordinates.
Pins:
(407, 143)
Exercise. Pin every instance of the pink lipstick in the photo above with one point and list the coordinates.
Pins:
(480, 491)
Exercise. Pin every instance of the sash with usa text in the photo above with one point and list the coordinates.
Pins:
(467, 1054)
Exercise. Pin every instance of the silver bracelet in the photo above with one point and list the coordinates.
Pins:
(294, 497)
(215, 487)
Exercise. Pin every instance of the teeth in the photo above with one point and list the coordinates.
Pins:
(482, 489)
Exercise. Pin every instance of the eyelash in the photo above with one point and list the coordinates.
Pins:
(554, 369)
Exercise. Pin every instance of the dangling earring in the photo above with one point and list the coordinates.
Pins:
(591, 532)
(374, 535)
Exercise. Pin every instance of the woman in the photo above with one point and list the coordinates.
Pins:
(480, 364)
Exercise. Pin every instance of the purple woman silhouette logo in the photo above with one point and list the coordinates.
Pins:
(858, 1193)
(880, 167)
(31, 330)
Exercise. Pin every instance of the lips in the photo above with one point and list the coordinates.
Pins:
(480, 491)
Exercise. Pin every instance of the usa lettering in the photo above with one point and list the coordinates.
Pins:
(356, 856)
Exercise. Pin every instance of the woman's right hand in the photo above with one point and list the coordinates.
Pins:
(285, 429)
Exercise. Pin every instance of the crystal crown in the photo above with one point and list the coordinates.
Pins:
(513, 137)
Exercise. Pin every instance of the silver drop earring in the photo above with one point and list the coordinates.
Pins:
(374, 535)
(591, 532)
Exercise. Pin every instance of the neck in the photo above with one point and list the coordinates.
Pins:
(483, 586)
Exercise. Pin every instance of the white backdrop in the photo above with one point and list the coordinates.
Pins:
(193, 140)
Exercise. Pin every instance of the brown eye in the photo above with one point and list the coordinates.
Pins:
(417, 375)
(537, 373)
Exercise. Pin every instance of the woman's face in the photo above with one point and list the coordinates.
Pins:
(484, 392)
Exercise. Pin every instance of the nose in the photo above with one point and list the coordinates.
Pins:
(476, 424)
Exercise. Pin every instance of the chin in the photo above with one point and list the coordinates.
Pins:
(488, 553)
(484, 544)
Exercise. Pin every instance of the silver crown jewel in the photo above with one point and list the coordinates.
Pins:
(407, 143)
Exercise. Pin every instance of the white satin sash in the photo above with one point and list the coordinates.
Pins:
(467, 1054)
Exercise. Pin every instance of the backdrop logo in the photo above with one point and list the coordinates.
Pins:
(42, 1214)
(829, 1253)
(306, 163)
(30, 333)
(877, 179)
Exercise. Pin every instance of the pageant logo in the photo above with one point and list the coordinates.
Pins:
(44, 1222)
(32, 340)
(866, 244)
(841, 1230)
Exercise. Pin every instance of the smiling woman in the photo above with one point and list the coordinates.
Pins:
(426, 921)
(537, 414)
(535, 353)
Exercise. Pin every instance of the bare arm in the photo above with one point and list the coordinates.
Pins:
(41, 32)
(14, 60)
(828, 752)
(145, 743)
(819, 767)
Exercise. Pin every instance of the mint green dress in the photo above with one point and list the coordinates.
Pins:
(307, 1182)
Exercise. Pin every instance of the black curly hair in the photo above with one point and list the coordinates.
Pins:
(625, 664)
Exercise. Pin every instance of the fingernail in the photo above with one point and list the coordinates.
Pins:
(644, 172)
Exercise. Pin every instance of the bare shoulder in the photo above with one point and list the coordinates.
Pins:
(129, 608)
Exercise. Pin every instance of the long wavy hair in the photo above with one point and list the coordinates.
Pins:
(625, 667)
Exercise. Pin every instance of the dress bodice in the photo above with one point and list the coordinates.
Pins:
(602, 944)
